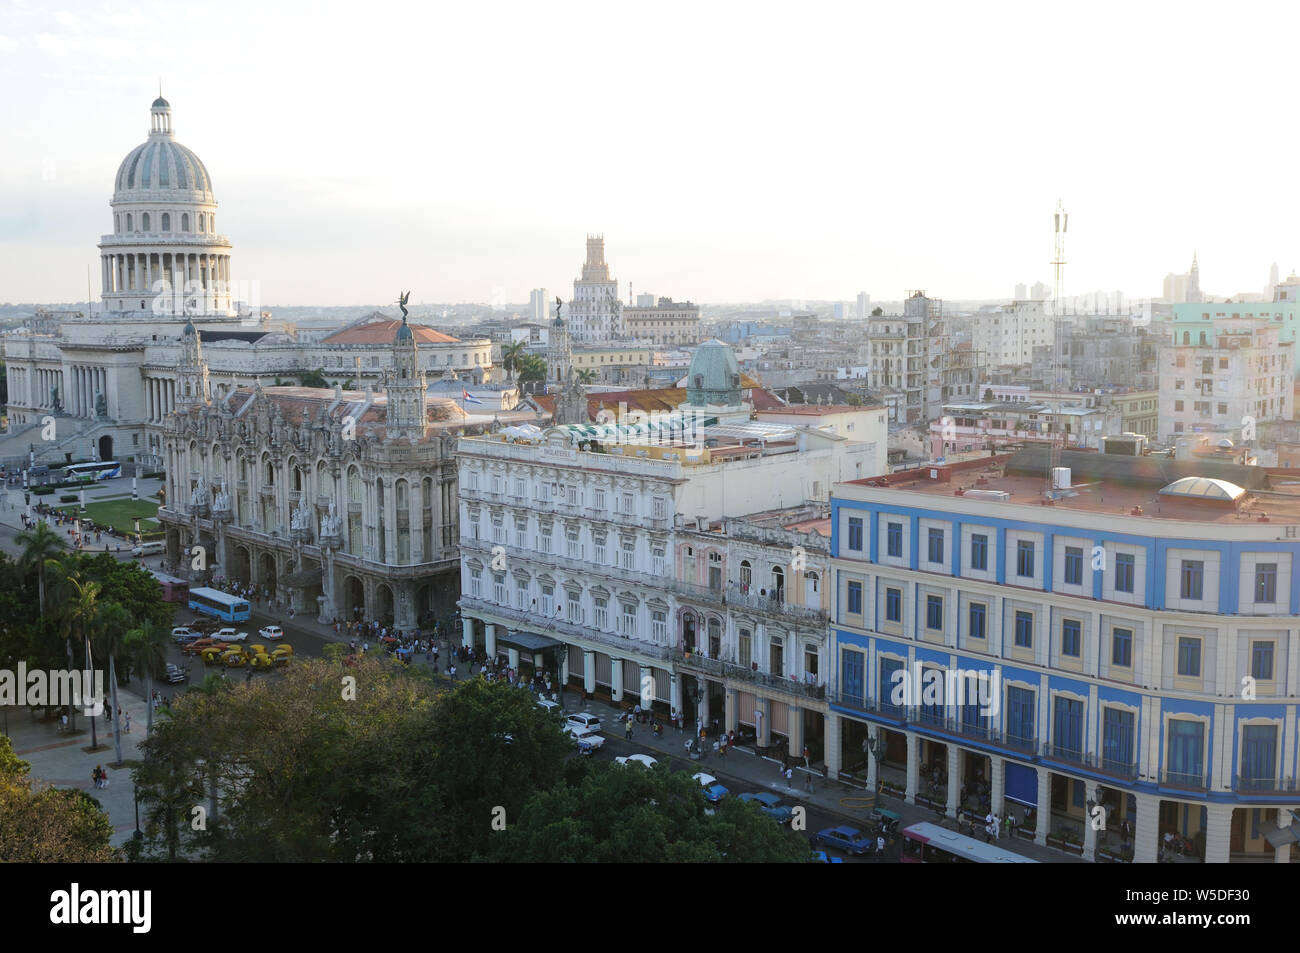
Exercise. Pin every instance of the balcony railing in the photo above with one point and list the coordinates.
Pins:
(529, 621)
(1184, 780)
(725, 669)
(1065, 754)
(736, 597)
(1261, 786)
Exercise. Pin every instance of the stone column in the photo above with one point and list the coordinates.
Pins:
(873, 732)
(1043, 807)
(512, 657)
(794, 731)
(675, 692)
(589, 672)
(833, 745)
(645, 691)
(467, 632)
(998, 768)
(730, 706)
(390, 522)
(564, 667)
(954, 778)
(762, 715)
(1146, 829)
(1218, 830)
(1090, 822)
(616, 680)
(913, 766)
(490, 639)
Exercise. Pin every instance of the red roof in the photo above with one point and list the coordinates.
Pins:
(383, 332)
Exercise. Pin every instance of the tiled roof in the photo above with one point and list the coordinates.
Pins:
(383, 331)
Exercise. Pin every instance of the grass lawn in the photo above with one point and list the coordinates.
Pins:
(120, 514)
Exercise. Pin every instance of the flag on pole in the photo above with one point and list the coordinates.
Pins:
(468, 397)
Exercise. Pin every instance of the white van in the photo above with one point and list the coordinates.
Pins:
(154, 548)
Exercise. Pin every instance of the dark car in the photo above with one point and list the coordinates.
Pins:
(848, 839)
(770, 805)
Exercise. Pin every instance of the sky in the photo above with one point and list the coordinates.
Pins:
(727, 151)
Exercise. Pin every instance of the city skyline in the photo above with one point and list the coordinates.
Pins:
(783, 193)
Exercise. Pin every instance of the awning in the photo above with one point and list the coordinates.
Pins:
(528, 641)
(1021, 784)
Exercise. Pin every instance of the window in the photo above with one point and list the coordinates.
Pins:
(978, 620)
(1261, 661)
(1024, 630)
(1258, 756)
(979, 551)
(889, 684)
(746, 575)
(601, 613)
(1266, 582)
(1020, 713)
(893, 605)
(851, 673)
(628, 508)
(1071, 638)
(629, 619)
(599, 502)
(855, 533)
(1186, 751)
(894, 539)
(855, 598)
(936, 546)
(658, 557)
(1068, 727)
(548, 601)
(1193, 577)
(659, 625)
(544, 539)
(573, 546)
(1074, 565)
(499, 588)
(744, 647)
(1117, 740)
(629, 552)
(573, 497)
(521, 532)
(1025, 558)
(475, 582)
(1124, 572)
(660, 508)
(1121, 648)
(574, 607)
(934, 612)
(521, 594)
(1189, 657)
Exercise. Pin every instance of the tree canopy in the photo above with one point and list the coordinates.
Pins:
(39, 824)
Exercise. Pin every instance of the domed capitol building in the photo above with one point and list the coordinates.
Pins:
(110, 375)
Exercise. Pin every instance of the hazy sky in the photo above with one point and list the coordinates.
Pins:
(728, 151)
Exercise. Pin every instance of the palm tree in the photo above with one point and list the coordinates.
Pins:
(41, 546)
(512, 356)
(110, 628)
(147, 648)
(587, 375)
(79, 614)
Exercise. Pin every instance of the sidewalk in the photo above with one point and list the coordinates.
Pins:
(60, 760)
(807, 787)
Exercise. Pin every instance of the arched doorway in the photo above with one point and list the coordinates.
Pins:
(383, 603)
(106, 447)
(241, 565)
(688, 631)
(424, 614)
(266, 573)
(354, 597)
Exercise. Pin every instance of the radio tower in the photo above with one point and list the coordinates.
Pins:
(1057, 439)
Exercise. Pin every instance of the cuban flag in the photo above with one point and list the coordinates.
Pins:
(468, 397)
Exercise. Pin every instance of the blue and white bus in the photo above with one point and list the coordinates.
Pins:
(90, 472)
(927, 843)
(220, 605)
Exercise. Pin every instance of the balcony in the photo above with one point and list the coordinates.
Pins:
(721, 668)
(1064, 754)
(1261, 787)
(528, 621)
(1184, 781)
(736, 597)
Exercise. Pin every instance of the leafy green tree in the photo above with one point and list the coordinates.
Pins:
(627, 814)
(127, 584)
(532, 368)
(587, 375)
(314, 378)
(512, 355)
(40, 824)
(854, 400)
(41, 546)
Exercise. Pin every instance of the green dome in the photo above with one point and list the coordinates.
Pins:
(403, 333)
(714, 377)
(161, 103)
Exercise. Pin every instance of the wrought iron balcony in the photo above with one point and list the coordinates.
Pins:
(1264, 786)
(726, 669)
(1185, 781)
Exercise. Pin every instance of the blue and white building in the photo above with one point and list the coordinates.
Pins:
(1138, 619)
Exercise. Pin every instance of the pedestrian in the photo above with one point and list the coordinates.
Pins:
(127, 723)
(451, 670)
(997, 826)
(636, 711)
(627, 728)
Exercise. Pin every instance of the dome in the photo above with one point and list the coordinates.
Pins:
(403, 333)
(714, 377)
(1204, 488)
(160, 163)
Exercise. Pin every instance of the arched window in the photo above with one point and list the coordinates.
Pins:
(200, 221)
(117, 223)
(746, 575)
(128, 222)
(166, 222)
(185, 222)
(212, 222)
(297, 478)
(1202, 337)
(1187, 337)
(778, 583)
(354, 486)
(270, 473)
(144, 222)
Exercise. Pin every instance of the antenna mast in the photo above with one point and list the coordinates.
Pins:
(1061, 221)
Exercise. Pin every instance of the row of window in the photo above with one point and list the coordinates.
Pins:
(1191, 571)
(570, 494)
(206, 222)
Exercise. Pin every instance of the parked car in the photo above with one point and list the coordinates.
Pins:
(260, 660)
(199, 646)
(183, 633)
(821, 857)
(234, 658)
(848, 839)
(230, 635)
(713, 789)
(584, 720)
(770, 805)
(271, 632)
(551, 708)
(642, 759)
(175, 674)
(588, 742)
